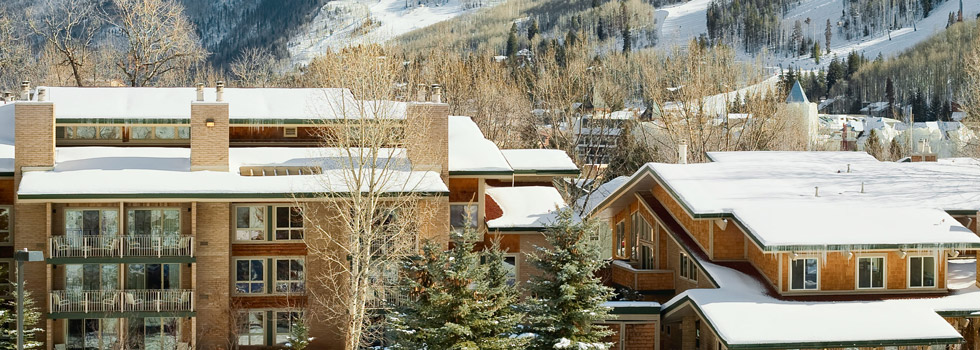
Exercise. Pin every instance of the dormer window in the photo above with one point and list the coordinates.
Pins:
(922, 271)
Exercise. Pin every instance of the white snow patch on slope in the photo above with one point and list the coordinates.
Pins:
(682, 22)
(326, 33)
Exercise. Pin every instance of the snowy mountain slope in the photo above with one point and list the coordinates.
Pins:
(346, 22)
(902, 39)
(680, 23)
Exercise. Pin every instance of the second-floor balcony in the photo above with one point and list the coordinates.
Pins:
(91, 302)
(121, 246)
(631, 277)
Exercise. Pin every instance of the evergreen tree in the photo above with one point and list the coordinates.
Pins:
(512, 41)
(532, 30)
(461, 300)
(600, 30)
(828, 33)
(835, 73)
(566, 299)
(32, 317)
(894, 150)
(815, 52)
(872, 145)
(299, 336)
(890, 95)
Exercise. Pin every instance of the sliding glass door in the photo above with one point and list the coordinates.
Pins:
(92, 334)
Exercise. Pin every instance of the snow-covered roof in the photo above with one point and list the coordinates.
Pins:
(743, 314)
(525, 207)
(243, 103)
(825, 200)
(589, 201)
(7, 138)
(121, 172)
(470, 152)
(540, 161)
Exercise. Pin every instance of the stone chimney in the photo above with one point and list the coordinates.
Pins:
(427, 137)
(219, 92)
(209, 132)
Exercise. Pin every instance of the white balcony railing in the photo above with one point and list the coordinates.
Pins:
(134, 300)
(106, 246)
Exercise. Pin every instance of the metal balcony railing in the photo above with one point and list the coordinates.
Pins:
(107, 246)
(134, 300)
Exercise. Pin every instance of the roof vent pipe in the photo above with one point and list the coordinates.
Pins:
(436, 93)
(816, 191)
(848, 168)
(926, 147)
(682, 152)
(219, 92)
(42, 94)
(420, 94)
(200, 92)
(25, 90)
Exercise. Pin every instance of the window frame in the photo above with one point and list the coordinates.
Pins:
(244, 314)
(475, 215)
(935, 271)
(275, 225)
(517, 266)
(275, 324)
(119, 219)
(275, 275)
(791, 274)
(264, 280)
(884, 272)
(125, 219)
(620, 239)
(686, 266)
(10, 225)
(264, 228)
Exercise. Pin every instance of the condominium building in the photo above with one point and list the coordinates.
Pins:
(801, 250)
(179, 218)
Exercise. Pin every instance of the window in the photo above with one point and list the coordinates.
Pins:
(871, 272)
(251, 328)
(688, 268)
(250, 223)
(697, 334)
(510, 266)
(91, 132)
(154, 333)
(290, 277)
(159, 132)
(5, 225)
(153, 222)
(804, 274)
(922, 271)
(6, 268)
(279, 170)
(83, 277)
(289, 223)
(250, 276)
(91, 333)
(91, 222)
(621, 239)
(463, 215)
(153, 276)
(639, 231)
(284, 325)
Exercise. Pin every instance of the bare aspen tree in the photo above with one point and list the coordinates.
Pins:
(971, 94)
(255, 67)
(371, 213)
(69, 27)
(16, 60)
(158, 39)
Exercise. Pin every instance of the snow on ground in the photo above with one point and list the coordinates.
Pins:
(742, 312)
(337, 22)
(678, 24)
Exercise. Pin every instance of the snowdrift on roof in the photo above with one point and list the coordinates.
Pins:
(525, 207)
(470, 151)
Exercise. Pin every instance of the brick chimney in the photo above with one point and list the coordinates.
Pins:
(427, 137)
(209, 134)
(33, 136)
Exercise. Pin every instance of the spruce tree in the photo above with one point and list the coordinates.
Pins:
(32, 317)
(532, 30)
(894, 150)
(460, 300)
(512, 41)
(872, 145)
(828, 34)
(565, 302)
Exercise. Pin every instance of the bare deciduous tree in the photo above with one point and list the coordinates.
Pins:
(371, 215)
(255, 67)
(69, 27)
(16, 59)
(158, 39)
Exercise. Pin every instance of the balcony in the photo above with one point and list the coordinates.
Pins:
(628, 276)
(111, 248)
(109, 303)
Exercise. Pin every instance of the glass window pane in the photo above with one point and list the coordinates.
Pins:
(282, 270)
(110, 222)
(878, 277)
(140, 132)
(165, 132)
(864, 273)
(797, 274)
(109, 133)
(811, 274)
(915, 272)
(510, 267)
(183, 132)
(85, 132)
(928, 271)
(282, 217)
